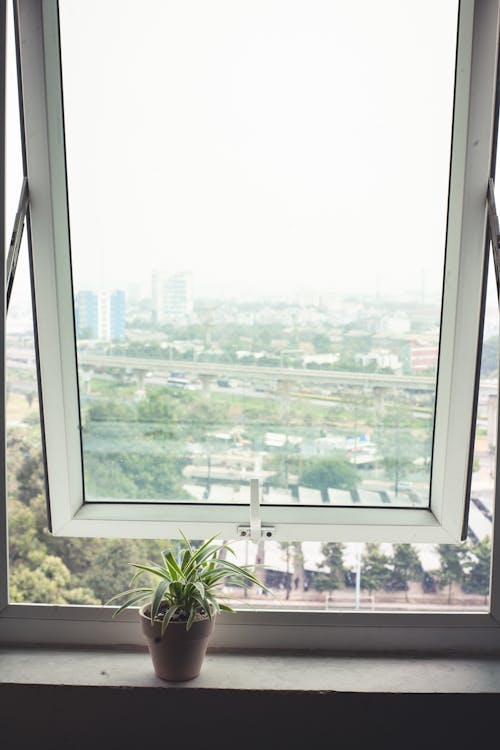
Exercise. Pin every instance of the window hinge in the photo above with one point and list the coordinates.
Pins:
(494, 228)
(255, 531)
(15, 242)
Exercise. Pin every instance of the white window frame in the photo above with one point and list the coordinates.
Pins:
(47, 624)
(445, 519)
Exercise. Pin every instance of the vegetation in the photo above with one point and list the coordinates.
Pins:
(140, 437)
(323, 473)
(334, 576)
(189, 586)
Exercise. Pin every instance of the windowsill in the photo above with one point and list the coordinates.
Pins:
(256, 672)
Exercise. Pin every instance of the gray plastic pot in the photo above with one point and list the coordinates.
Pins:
(179, 653)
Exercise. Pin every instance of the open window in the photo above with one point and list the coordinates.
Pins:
(258, 241)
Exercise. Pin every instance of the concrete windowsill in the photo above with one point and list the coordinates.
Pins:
(257, 672)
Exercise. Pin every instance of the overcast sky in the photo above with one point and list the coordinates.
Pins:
(265, 145)
(262, 144)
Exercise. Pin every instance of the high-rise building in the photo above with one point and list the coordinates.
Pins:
(100, 315)
(117, 315)
(172, 294)
(86, 315)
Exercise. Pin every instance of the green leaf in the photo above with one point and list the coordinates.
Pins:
(130, 602)
(158, 598)
(173, 564)
(130, 591)
(200, 588)
(191, 617)
(186, 558)
(171, 568)
(168, 616)
(156, 571)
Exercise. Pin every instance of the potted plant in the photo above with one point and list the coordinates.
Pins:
(178, 612)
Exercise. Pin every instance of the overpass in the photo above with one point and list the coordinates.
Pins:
(25, 357)
(242, 372)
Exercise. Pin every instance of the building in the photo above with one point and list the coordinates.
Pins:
(172, 294)
(424, 357)
(100, 315)
(86, 315)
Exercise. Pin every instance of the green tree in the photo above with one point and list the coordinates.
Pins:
(405, 567)
(322, 343)
(334, 576)
(23, 533)
(110, 572)
(30, 476)
(477, 571)
(294, 557)
(489, 357)
(451, 560)
(47, 582)
(323, 473)
(375, 568)
(111, 410)
(398, 445)
(155, 408)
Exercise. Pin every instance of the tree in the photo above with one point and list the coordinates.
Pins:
(406, 566)
(48, 582)
(30, 476)
(451, 559)
(110, 572)
(334, 577)
(398, 446)
(322, 343)
(489, 357)
(323, 473)
(375, 568)
(23, 533)
(294, 554)
(476, 578)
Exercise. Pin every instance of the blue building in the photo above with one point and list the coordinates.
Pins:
(100, 315)
(86, 315)
(117, 315)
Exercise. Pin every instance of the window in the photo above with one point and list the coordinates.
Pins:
(421, 495)
(76, 175)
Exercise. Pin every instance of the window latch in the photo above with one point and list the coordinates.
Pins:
(255, 531)
(15, 242)
(494, 228)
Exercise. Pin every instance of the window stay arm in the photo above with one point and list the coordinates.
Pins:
(15, 242)
(494, 228)
(255, 531)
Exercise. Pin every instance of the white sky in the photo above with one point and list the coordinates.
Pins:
(266, 145)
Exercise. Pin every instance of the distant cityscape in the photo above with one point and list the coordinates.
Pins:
(329, 400)
(403, 339)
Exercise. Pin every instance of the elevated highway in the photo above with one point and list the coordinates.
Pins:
(242, 372)
(163, 367)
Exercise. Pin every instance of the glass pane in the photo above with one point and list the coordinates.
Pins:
(258, 198)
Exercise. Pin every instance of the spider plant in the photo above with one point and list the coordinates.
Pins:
(189, 585)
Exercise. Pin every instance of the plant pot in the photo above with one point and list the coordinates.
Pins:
(179, 653)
